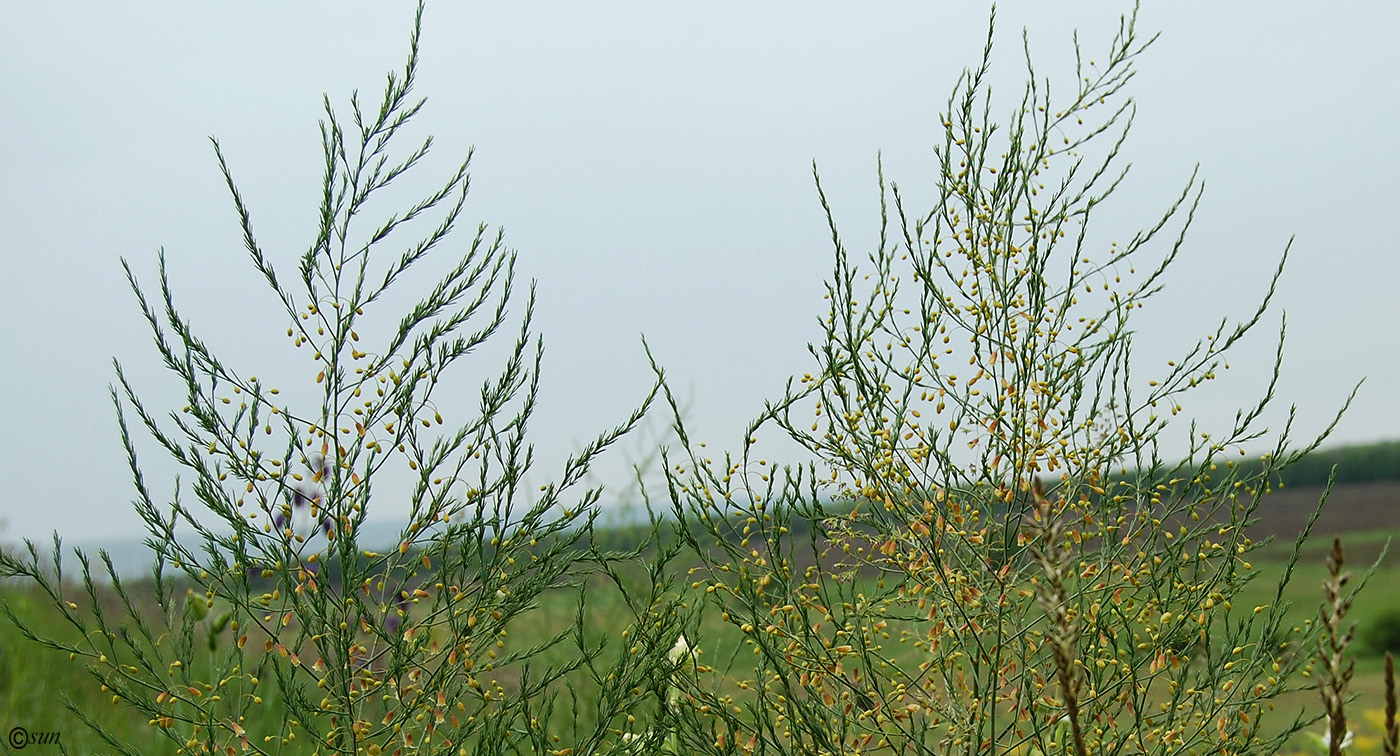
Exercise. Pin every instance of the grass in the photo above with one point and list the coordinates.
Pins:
(1365, 549)
(34, 682)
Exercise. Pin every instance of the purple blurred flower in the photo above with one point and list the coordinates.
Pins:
(307, 495)
(319, 465)
(394, 613)
(304, 494)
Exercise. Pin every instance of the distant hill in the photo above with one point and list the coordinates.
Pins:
(133, 558)
(1366, 497)
(1363, 463)
(1372, 506)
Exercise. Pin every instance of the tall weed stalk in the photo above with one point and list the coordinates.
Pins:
(269, 625)
(992, 552)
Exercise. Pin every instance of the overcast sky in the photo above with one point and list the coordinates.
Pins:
(652, 164)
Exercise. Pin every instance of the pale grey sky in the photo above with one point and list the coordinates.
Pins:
(651, 163)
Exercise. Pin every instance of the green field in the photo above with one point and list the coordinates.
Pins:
(35, 682)
(1377, 601)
